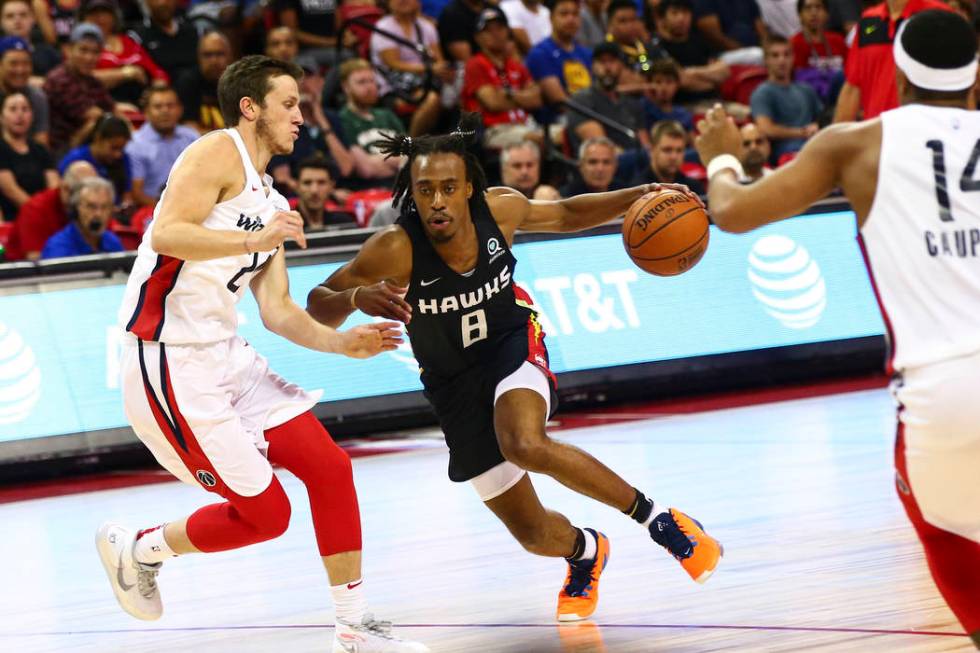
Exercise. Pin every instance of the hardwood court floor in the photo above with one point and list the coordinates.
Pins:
(819, 555)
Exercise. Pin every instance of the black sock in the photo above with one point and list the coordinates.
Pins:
(641, 508)
(579, 545)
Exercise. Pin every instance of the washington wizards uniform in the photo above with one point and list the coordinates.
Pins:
(469, 331)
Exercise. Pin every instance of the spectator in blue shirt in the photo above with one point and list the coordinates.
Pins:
(665, 80)
(785, 111)
(106, 152)
(559, 64)
(157, 144)
(90, 208)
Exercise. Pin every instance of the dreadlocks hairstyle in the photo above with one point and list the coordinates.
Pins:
(458, 142)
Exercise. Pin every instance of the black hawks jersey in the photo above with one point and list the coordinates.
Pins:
(461, 320)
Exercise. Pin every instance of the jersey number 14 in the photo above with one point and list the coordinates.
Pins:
(967, 182)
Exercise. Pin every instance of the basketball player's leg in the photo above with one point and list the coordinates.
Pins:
(520, 412)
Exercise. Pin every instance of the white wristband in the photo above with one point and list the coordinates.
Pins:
(725, 162)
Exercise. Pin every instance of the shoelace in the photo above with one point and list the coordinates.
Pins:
(672, 537)
(146, 578)
(580, 579)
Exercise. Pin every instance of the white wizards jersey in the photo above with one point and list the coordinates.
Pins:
(194, 302)
(922, 235)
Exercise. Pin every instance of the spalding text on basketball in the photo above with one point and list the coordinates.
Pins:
(667, 203)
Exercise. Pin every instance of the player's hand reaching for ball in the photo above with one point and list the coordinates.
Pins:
(385, 300)
(653, 189)
(284, 225)
(717, 134)
(369, 340)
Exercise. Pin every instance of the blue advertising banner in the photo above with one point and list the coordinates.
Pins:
(795, 282)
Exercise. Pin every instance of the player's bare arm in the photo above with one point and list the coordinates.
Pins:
(195, 187)
(513, 211)
(281, 315)
(374, 281)
(843, 155)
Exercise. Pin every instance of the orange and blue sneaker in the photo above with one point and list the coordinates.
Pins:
(685, 539)
(579, 595)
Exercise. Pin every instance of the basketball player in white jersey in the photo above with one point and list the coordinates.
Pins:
(912, 177)
(200, 398)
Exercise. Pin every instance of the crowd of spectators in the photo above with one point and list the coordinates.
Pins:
(98, 98)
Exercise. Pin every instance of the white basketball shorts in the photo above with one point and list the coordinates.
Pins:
(202, 410)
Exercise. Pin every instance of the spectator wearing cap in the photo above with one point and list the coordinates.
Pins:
(785, 111)
(198, 88)
(626, 31)
(26, 166)
(869, 87)
(730, 24)
(498, 86)
(17, 20)
(76, 97)
(701, 71)
(316, 202)
(124, 67)
(15, 75)
(157, 144)
(559, 64)
(529, 21)
(90, 209)
(457, 29)
(608, 64)
(45, 213)
(170, 41)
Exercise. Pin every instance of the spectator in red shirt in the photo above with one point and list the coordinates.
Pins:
(45, 213)
(815, 46)
(124, 67)
(870, 69)
(76, 97)
(498, 86)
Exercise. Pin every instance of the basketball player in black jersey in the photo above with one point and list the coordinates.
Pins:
(446, 270)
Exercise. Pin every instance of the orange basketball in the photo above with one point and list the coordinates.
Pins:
(665, 233)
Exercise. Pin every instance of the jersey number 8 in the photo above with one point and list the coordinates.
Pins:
(474, 325)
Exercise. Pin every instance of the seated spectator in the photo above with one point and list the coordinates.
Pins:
(15, 77)
(168, 38)
(626, 30)
(529, 21)
(701, 73)
(593, 23)
(107, 152)
(499, 87)
(457, 29)
(316, 202)
(520, 168)
(401, 68)
(17, 20)
(46, 212)
(668, 141)
(124, 66)
(818, 54)
(755, 154)
(559, 64)
(26, 167)
(76, 97)
(596, 168)
(363, 121)
(315, 25)
(198, 88)
(157, 144)
(730, 24)
(90, 208)
(665, 80)
(603, 97)
(785, 111)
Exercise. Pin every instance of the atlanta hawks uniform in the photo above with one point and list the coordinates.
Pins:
(197, 395)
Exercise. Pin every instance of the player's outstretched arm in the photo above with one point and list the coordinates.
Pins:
(787, 192)
(281, 315)
(374, 281)
(513, 211)
(197, 184)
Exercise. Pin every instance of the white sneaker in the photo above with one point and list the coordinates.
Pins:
(134, 583)
(371, 636)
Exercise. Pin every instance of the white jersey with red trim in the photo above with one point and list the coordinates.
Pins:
(194, 302)
(922, 235)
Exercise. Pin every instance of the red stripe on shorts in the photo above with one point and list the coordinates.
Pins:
(537, 353)
(148, 317)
